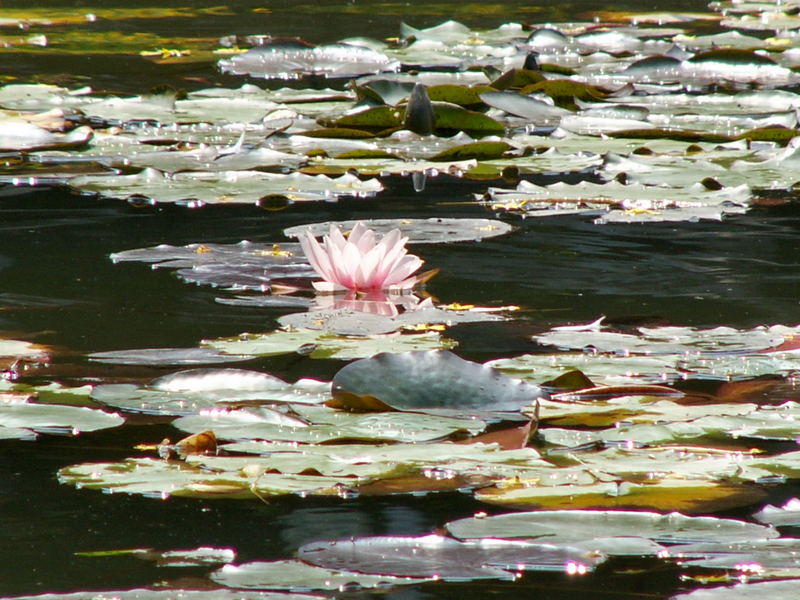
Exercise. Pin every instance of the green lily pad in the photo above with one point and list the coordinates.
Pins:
(227, 187)
(188, 392)
(56, 419)
(443, 558)
(476, 150)
(324, 344)
(171, 594)
(428, 380)
(575, 525)
(331, 426)
(419, 231)
(454, 117)
(377, 118)
(690, 497)
(296, 575)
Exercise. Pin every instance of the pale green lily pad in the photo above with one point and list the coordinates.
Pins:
(576, 525)
(292, 60)
(671, 340)
(189, 392)
(242, 266)
(167, 110)
(161, 479)
(227, 187)
(688, 496)
(22, 136)
(602, 369)
(775, 590)
(56, 419)
(633, 202)
(12, 350)
(164, 356)
(297, 575)
(171, 594)
(326, 345)
(354, 317)
(630, 409)
(347, 468)
(444, 558)
(435, 230)
(331, 426)
(780, 516)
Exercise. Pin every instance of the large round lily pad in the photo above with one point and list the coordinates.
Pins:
(434, 379)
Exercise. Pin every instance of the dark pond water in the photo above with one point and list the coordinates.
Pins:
(58, 287)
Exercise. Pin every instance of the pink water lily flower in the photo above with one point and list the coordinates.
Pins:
(360, 262)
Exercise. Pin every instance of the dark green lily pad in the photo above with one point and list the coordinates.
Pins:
(377, 118)
(466, 96)
(476, 150)
(454, 117)
(435, 379)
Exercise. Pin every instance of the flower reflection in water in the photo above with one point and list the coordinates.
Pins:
(374, 302)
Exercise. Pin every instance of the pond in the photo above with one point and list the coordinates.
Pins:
(641, 227)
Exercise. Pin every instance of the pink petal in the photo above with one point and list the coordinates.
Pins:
(316, 255)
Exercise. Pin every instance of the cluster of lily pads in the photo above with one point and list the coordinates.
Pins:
(595, 422)
(666, 125)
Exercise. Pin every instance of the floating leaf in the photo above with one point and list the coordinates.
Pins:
(442, 558)
(377, 118)
(428, 380)
(325, 345)
(334, 426)
(188, 392)
(454, 117)
(576, 525)
(56, 419)
(476, 150)
(299, 576)
(224, 187)
(419, 231)
(170, 594)
(775, 590)
(164, 356)
(294, 59)
(691, 497)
